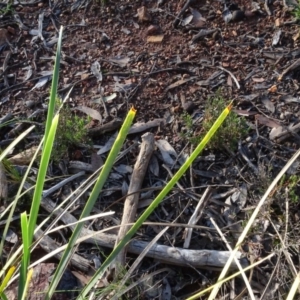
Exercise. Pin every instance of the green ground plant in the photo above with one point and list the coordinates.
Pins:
(291, 184)
(71, 132)
(232, 130)
(296, 11)
(7, 10)
(13, 174)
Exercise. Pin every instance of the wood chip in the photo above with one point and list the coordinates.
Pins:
(155, 38)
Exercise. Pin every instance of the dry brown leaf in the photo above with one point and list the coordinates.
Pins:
(244, 113)
(268, 104)
(96, 161)
(83, 278)
(94, 114)
(266, 121)
(3, 36)
(198, 20)
(154, 165)
(166, 151)
(84, 76)
(178, 83)
(229, 80)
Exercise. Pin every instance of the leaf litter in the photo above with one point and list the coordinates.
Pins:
(148, 55)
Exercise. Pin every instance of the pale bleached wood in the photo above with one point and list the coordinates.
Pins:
(131, 201)
(196, 217)
(208, 259)
(49, 245)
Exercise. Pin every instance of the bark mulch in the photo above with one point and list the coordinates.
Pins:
(168, 59)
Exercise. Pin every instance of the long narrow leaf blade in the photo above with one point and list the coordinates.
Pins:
(28, 236)
(155, 203)
(54, 84)
(26, 255)
(14, 255)
(29, 276)
(15, 142)
(41, 178)
(7, 278)
(92, 199)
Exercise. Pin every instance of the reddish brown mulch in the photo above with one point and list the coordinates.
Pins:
(164, 68)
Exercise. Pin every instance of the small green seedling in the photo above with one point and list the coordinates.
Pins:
(71, 131)
(233, 128)
(296, 11)
(7, 10)
(291, 183)
(11, 171)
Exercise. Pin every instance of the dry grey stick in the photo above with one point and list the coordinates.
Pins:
(139, 127)
(267, 8)
(108, 127)
(138, 261)
(131, 202)
(49, 245)
(209, 259)
(47, 193)
(292, 67)
(203, 33)
(288, 132)
(233, 77)
(250, 164)
(6, 118)
(196, 216)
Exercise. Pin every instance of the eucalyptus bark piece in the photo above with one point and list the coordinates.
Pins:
(131, 202)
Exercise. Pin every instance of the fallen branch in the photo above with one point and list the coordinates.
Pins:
(196, 216)
(108, 127)
(131, 202)
(116, 124)
(49, 245)
(211, 259)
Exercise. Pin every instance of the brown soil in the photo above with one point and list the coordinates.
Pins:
(165, 70)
